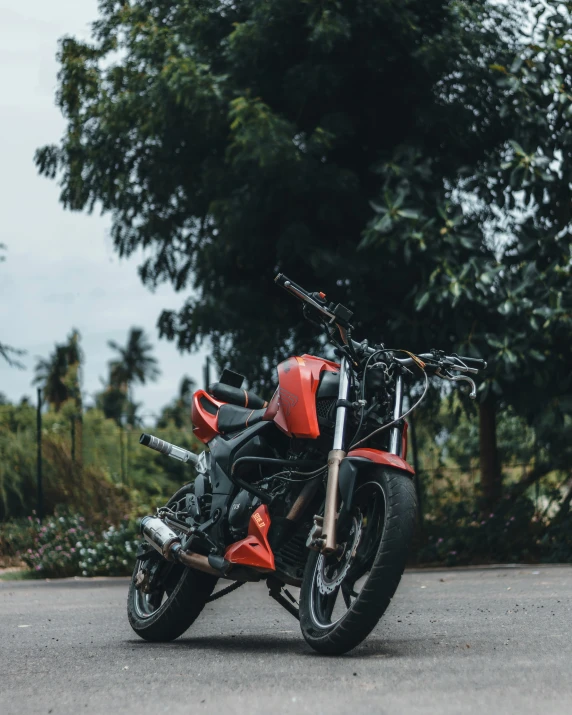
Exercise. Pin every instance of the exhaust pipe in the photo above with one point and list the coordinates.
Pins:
(168, 544)
(158, 534)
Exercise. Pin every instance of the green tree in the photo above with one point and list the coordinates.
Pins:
(59, 374)
(492, 250)
(234, 140)
(7, 352)
(135, 364)
(178, 412)
(112, 401)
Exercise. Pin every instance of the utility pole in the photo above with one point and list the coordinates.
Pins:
(207, 372)
(121, 452)
(40, 490)
(73, 438)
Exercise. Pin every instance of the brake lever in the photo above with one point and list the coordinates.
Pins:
(459, 378)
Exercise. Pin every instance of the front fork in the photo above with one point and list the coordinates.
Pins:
(328, 541)
(395, 436)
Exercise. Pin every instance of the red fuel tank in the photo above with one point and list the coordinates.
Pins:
(293, 407)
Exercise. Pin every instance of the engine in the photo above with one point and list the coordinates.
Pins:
(240, 512)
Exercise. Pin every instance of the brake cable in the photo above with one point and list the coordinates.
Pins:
(414, 407)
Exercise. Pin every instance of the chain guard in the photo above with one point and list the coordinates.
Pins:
(327, 585)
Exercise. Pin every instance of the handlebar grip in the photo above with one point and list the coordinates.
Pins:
(474, 362)
(171, 450)
(285, 282)
(304, 296)
(281, 280)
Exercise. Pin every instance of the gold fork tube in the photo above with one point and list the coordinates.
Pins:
(331, 507)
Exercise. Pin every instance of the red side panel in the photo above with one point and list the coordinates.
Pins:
(293, 407)
(379, 457)
(204, 414)
(255, 550)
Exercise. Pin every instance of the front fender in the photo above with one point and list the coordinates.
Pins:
(361, 459)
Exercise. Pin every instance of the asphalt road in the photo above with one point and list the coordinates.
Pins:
(464, 641)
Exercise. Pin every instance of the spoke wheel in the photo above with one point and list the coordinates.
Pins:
(343, 596)
(338, 581)
(165, 598)
(155, 578)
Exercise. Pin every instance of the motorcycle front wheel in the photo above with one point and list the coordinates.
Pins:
(343, 596)
(178, 596)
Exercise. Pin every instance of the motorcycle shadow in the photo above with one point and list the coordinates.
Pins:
(289, 642)
(233, 643)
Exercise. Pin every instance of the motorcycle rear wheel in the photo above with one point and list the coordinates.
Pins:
(168, 612)
(342, 599)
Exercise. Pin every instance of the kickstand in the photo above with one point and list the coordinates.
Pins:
(275, 588)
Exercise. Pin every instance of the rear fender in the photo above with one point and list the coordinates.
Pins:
(365, 459)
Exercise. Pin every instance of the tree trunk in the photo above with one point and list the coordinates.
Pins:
(491, 478)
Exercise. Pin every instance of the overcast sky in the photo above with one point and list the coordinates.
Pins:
(60, 270)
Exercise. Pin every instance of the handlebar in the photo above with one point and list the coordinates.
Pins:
(171, 450)
(337, 314)
(435, 360)
(304, 296)
(450, 362)
(340, 315)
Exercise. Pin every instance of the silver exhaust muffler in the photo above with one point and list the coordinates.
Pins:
(168, 544)
(160, 536)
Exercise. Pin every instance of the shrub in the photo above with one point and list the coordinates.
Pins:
(461, 533)
(113, 554)
(65, 545)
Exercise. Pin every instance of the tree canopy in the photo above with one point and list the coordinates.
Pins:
(412, 159)
(232, 140)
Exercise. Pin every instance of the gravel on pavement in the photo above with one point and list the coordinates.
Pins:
(486, 641)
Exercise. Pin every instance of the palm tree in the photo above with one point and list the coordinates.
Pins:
(9, 353)
(60, 379)
(134, 364)
(59, 373)
(6, 351)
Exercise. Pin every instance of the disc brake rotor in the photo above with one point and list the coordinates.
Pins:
(330, 575)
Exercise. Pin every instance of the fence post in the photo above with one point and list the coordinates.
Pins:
(73, 438)
(40, 490)
(207, 373)
(121, 454)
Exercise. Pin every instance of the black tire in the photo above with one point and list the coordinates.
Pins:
(187, 592)
(386, 564)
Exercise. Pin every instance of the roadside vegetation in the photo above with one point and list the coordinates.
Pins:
(98, 480)
(413, 160)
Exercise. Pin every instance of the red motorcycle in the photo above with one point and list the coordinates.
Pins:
(310, 490)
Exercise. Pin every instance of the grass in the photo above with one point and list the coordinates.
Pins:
(18, 575)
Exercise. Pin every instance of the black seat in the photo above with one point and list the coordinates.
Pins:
(232, 418)
(236, 396)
